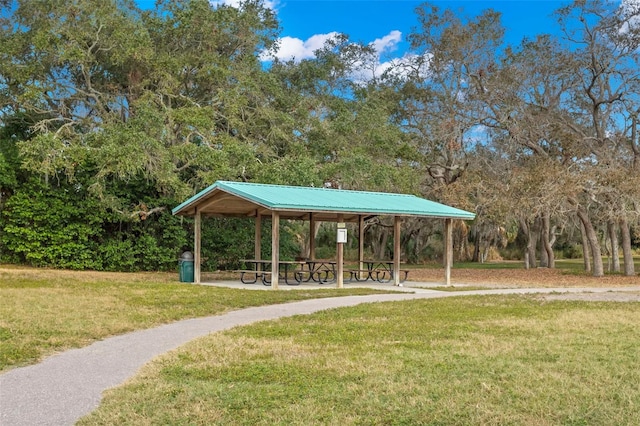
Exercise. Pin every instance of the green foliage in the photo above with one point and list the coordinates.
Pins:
(51, 227)
(14, 129)
(226, 241)
(64, 227)
(150, 245)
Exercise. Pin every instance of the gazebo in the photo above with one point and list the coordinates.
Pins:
(242, 199)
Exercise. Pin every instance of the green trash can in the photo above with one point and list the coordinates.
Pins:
(185, 267)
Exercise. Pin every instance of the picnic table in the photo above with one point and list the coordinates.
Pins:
(293, 272)
(377, 270)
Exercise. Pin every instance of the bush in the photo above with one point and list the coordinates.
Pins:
(226, 241)
(64, 227)
(512, 252)
(46, 227)
(572, 251)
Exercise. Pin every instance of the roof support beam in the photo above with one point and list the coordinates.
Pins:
(340, 260)
(361, 246)
(197, 237)
(275, 249)
(312, 237)
(258, 240)
(397, 221)
(448, 250)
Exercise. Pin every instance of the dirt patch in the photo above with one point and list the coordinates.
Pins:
(622, 296)
(522, 278)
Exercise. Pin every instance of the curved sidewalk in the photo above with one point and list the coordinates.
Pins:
(64, 387)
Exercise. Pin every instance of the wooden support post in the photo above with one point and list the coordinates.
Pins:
(312, 237)
(257, 251)
(197, 246)
(396, 250)
(340, 260)
(448, 250)
(361, 246)
(275, 248)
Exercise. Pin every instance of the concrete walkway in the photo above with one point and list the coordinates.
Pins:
(64, 387)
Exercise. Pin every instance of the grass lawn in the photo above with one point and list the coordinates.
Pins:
(469, 360)
(577, 265)
(47, 311)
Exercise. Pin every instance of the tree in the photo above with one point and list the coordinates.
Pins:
(169, 95)
(607, 76)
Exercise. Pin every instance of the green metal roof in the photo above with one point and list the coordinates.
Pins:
(244, 199)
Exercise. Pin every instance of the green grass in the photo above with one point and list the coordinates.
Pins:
(576, 266)
(458, 361)
(45, 312)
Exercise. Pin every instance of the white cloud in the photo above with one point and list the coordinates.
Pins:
(398, 66)
(388, 43)
(297, 49)
(292, 48)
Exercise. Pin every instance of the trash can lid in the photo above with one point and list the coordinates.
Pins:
(187, 255)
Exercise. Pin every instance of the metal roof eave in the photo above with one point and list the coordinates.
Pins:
(219, 185)
(464, 215)
(183, 206)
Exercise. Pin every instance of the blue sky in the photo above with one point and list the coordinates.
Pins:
(368, 20)
(307, 23)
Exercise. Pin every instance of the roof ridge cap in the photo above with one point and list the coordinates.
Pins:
(318, 188)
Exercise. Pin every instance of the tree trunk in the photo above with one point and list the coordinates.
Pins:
(533, 244)
(476, 246)
(379, 234)
(604, 244)
(586, 252)
(542, 241)
(552, 242)
(381, 249)
(547, 247)
(530, 252)
(460, 239)
(592, 238)
(629, 269)
(613, 237)
(635, 143)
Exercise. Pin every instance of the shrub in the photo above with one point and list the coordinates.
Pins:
(57, 227)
